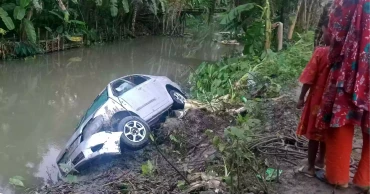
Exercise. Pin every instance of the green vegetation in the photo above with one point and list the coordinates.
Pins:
(148, 168)
(252, 76)
(31, 21)
(16, 181)
(241, 167)
(247, 80)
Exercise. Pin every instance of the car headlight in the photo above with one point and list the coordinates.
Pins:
(92, 127)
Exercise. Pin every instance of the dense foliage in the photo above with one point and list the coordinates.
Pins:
(72, 17)
(252, 76)
(248, 80)
(30, 21)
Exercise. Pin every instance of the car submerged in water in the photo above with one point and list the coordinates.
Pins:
(120, 117)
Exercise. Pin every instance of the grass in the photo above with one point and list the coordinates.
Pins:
(248, 76)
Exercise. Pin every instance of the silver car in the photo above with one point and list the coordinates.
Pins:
(119, 117)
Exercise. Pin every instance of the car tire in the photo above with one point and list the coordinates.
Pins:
(178, 100)
(135, 134)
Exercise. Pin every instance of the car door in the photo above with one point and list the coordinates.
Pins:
(136, 97)
(160, 94)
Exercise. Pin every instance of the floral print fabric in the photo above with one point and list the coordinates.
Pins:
(346, 96)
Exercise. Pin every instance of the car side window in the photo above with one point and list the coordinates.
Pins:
(121, 86)
(136, 79)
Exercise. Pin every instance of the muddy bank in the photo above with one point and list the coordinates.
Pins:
(182, 142)
(281, 117)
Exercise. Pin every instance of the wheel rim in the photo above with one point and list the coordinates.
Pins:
(179, 97)
(134, 131)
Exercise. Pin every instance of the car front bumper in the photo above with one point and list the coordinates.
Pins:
(101, 143)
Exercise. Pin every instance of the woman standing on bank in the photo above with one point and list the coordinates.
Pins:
(345, 103)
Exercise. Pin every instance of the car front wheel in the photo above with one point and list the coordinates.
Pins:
(178, 100)
(135, 132)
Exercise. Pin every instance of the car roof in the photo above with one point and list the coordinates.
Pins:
(150, 76)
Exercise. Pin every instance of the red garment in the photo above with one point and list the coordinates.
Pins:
(337, 158)
(346, 97)
(315, 73)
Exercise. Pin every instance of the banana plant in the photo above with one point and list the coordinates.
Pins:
(6, 19)
(2, 31)
(64, 28)
(19, 13)
(113, 6)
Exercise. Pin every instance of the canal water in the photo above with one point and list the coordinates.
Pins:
(43, 98)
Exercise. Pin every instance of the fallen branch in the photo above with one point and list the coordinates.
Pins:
(165, 158)
(278, 98)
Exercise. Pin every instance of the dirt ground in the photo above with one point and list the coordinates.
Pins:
(282, 117)
(184, 144)
(123, 173)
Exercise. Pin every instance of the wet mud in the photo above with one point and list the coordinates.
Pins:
(184, 143)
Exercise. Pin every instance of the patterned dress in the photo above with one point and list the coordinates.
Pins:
(315, 74)
(346, 97)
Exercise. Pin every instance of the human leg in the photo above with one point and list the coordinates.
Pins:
(338, 154)
(320, 161)
(313, 147)
(362, 176)
(309, 169)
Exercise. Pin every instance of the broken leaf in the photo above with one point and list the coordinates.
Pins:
(71, 179)
(271, 174)
(16, 181)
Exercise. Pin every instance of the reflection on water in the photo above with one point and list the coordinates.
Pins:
(42, 99)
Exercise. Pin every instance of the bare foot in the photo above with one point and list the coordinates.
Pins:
(309, 172)
(343, 186)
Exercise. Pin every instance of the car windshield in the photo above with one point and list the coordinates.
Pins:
(98, 102)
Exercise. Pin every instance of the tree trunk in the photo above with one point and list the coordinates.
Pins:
(61, 5)
(282, 10)
(211, 11)
(309, 13)
(304, 21)
(64, 9)
(292, 25)
(268, 26)
(134, 18)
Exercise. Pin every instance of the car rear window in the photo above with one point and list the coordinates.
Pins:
(98, 102)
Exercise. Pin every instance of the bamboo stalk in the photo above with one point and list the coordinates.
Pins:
(292, 26)
(38, 32)
(304, 23)
(309, 14)
(268, 26)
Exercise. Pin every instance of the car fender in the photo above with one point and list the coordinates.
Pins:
(108, 110)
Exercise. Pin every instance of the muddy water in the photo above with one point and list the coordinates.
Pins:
(42, 99)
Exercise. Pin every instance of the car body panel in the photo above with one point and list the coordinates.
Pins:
(161, 93)
(149, 100)
(109, 109)
(140, 100)
(110, 141)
